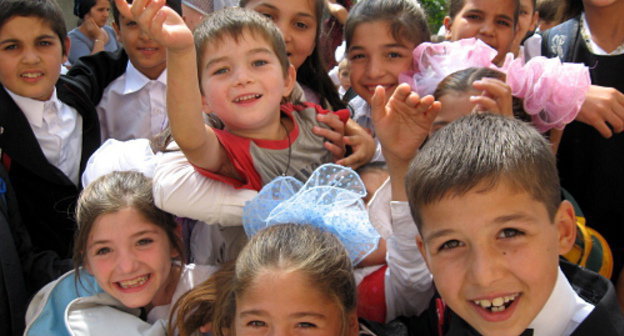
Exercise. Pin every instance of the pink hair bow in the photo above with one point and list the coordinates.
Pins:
(553, 92)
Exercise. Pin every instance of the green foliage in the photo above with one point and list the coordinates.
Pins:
(435, 10)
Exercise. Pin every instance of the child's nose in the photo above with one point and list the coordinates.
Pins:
(485, 266)
(374, 67)
(487, 29)
(30, 56)
(284, 27)
(242, 76)
(126, 262)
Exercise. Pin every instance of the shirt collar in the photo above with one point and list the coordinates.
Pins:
(563, 311)
(33, 109)
(135, 80)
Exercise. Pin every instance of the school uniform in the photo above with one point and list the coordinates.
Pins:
(582, 303)
(590, 166)
(47, 191)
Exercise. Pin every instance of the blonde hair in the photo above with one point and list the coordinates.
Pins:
(285, 247)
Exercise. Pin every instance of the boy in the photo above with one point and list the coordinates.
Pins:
(485, 195)
(262, 138)
(49, 126)
(133, 105)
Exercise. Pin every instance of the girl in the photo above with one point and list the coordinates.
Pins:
(380, 36)
(92, 34)
(132, 251)
(310, 268)
(492, 21)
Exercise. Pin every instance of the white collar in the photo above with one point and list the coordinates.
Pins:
(563, 311)
(33, 109)
(593, 47)
(134, 80)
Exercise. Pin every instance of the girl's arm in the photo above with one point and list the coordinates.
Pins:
(197, 140)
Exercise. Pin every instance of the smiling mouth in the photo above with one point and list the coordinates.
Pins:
(498, 304)
(31, 75)
(133, 283)
(247, 98)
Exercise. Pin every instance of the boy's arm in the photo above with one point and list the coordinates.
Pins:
(95, 72)
(402, 125)
(197, 140)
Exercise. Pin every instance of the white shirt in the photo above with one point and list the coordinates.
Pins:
(133, 106)
(58, 129)
(563, 312)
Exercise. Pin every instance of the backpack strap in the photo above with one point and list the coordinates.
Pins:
(561, 40)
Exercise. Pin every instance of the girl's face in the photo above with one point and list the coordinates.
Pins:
(100, 12)
(377, 58)
(130, 258)
(455, 105)
(491, 21)
(297, 21)
(287, 303)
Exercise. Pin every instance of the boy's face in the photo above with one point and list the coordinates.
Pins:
(377, 58)
(145, 54)
(491, 21)
(243, 84)
(495, 248)
(31, 55)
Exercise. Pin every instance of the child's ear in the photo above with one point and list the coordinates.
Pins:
(116, 29)
(565, 220)
(67, 44)
(354, 325)
(421, 249)
(448, 22)
(290, 81)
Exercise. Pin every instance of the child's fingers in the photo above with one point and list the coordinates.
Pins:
(124, 8)
(402, 92)
(377, 102)
(484, 104)
(336, 151)
(495, 88)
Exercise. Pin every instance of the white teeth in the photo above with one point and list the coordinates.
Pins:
(247, 97)
(496, 304)
(31, 75)
(134, 282)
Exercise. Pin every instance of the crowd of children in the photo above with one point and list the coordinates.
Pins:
(193, 169)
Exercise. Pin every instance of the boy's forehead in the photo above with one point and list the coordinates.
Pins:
(500, 7)
(38, 27)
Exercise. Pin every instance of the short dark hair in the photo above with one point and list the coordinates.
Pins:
(455, 6)
(234, 22)
(483, 149)
(406, 19)
(46, 10)
(176, 5)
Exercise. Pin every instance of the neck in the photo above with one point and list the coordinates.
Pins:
(606, 25)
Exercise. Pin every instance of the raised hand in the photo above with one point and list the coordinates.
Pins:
(403, 123)
(496, 97)
(160, 22)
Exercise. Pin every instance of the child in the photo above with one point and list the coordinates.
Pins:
(290, 278)
(589, 161)
(492, 21)
(492, 227)
(132, 250)
(527, 23)
(380, 36)
(49, 124)
(300, 22)
(92, 34)
(134, 105)
(245, 93)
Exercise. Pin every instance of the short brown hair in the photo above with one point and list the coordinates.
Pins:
(478, 149)
(455, 6)
(233, 23)
(47, 10)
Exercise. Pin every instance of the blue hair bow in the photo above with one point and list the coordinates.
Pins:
(330, 200)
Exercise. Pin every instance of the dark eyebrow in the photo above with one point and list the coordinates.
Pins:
(10, 40)
(389, 45)
(504, 16)
(269, 6)
(261, 50)
(137, 234)
(437, 234)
